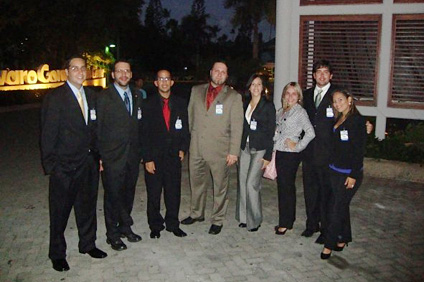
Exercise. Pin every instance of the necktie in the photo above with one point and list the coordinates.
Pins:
(127, 102)
(318, 98)
(81, 103)
(166, 112)
(210, 97)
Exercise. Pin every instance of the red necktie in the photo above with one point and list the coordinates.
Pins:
(210, 97)
(166, 112)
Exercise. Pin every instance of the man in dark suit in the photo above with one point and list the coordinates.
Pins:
(119, 115)
(165, 126)
(318, 104)
(68, 155)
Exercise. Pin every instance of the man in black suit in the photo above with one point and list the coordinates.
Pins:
(68, 155)
(318, 104)
(165, 126)
(119, 115)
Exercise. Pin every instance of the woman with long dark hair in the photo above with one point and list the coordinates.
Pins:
(346, 170)
(256, 151)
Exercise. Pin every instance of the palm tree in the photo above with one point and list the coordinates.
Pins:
(250, 13)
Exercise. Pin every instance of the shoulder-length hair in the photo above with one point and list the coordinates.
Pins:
(352, 106)
(297, 88)
(264, 85)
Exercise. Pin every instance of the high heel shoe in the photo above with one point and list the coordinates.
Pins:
(254, 229)
(242, 225)
(325, 256)
(278, 232)
(339, 249)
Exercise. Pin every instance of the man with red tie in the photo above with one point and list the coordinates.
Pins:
(216, 124)
(166, 141)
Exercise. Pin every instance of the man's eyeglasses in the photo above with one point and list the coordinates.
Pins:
(76, 69)
(126, 71)
(164, 79)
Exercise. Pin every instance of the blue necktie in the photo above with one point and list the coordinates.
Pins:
(127, 102)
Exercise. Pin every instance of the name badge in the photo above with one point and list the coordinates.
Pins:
(344, 136)
(93, 115)
(219, 110)
(330, 112)
(139, 114)
(178, 124)
(253, 124)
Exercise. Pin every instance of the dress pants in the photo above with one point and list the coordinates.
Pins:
(316, 188)
(76, 189)
(200, 180)
(119, 195)
(339, 229)
(287, 164)
(168, 176)
(249, 205)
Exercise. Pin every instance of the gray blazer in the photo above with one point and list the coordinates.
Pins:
(214, 135)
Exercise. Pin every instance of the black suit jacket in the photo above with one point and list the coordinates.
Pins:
(158, 140)
(117, 131)
(262, 137)
(66, 140)
(319, 149)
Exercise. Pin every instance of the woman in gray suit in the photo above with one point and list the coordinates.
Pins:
(292, 120)
(256, 150)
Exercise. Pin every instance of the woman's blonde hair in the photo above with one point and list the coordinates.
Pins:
(297, 88)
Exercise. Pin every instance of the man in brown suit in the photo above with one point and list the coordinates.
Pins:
(215, 116)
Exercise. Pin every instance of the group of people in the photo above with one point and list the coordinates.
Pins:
(84, 134)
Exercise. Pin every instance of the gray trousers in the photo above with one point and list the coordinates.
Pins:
(249, 205)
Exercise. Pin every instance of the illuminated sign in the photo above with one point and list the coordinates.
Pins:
(44, 78)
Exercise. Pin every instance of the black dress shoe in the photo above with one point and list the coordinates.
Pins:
(215, 229)
(189, 220)
(131, 237)
(242, 225)
(320, 239)
(96, 253)
(117, 245)
(177, 232)
(155, 234)
(339, 249)
(60, 265)
(325, 256)
(308, 233)
(254, 229)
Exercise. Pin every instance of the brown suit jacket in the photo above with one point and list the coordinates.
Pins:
(214, 135)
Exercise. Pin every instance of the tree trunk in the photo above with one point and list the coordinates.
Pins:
(255, 51)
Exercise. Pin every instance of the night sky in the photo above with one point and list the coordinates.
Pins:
(218, 15)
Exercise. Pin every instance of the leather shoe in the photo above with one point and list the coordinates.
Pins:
(117, 245)
(131, 237)
(242, 225)
(320, 239)
(254, 229)
(215, 229)
(96, 253)
(189, 220)
(308, 233)
(177, 232)
(155, 234)
(60, 265)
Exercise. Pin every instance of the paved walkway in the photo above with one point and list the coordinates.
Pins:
(388, 228)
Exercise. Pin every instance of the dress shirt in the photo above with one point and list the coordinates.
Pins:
(290, 124)
(121, 93)
(324, 91)
(84, 99)
(248, 116)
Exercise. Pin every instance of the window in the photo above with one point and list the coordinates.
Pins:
(343, 2)
(407, 71)
(350, 43)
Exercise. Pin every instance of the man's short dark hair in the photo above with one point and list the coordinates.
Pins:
(120, 61)
(68, 61)
(322, 64)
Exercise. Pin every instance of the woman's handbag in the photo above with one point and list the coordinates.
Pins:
(270, 170)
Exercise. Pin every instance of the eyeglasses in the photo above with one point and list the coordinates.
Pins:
(76, 69)
(164, 79)
(126, 71)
